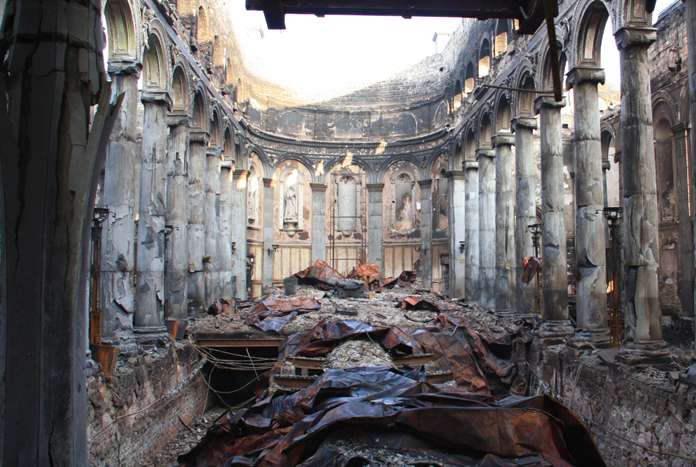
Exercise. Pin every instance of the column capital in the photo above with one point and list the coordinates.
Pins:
(425, 183)
(375, 186)
(318, 186)
(157, 98)
(523, 122)
(178, 118)
(680, 129)
(470, 165)
(635, 37)
(214, 152)
(581, 74)
(547, 101)
(503, 138)
(456, 174)
(269, 182)
(226, 165)
(124, 66)
(242, 174)
(485, 152)
(199, 136)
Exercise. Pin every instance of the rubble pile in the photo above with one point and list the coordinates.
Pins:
(357, 353)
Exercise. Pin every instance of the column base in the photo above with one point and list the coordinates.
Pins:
(594, 339)
(554, 332)
(644, 353)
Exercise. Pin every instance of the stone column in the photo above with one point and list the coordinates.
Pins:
(318, 221)
(268, 228)
(457, 233)
(554, 278)
(426, 232)
(472, 260)
(374, 224)
(643, 327)
(486, 208)
(224, 246)
(690, 25)
(120, 187)
(590, 226)
(212, 218)
(686, 240)
(506, 282)
(176, 218)
(525, 170)
(149, 311)
(196, 221)
(238, 228)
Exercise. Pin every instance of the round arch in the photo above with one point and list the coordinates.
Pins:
(120, 27)
(588, 43)
(503, 112)
(155, 67)
(180, 89)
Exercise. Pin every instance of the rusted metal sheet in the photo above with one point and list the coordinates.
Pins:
(223, 306)
(383, 407)
(531, 266)
(321, 274)
(420, 303)
(274, 315)
(367, 273)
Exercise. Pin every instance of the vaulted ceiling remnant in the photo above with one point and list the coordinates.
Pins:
(529, 13)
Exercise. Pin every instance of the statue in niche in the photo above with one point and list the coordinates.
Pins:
(290, 212)
(404, 213)
(347, 191)
(252, 200)
(442, 205)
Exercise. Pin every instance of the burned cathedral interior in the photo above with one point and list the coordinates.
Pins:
(483, 258)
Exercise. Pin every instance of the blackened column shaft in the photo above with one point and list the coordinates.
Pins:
(486, 207)
(506, 286)
(525, 171)
(590, 226)
(472, 260)
(457, 232)
(268, 229)
(238, 228)
(212, 218)
(426, 231)
(374, 224)
(196, 221)
(225, 219)
(149, 311)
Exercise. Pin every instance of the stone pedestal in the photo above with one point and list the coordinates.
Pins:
(120, 188)
(554, 279)
(457, 232)
(590, 226)
(238, 228)
(641, 245)
(176, 218)
(149, 311)
(505, 261)
(374, 224)
(196, 221)
(486, 207)
(268, 250)
(426, 232)
(686, 240)
(212, 220)
(472, 260)
(525, 170)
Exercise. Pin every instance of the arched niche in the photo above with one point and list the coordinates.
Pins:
(291, 123)
(612, 175)
(457, 101)
(469, 78)
(484, 63)
(525, 100)
(293, 179)
(228, 145)
(485, 132)
(403, 124)
(547, 73)
(440, 197)
(198, 112)
(665, 164)
(202, 27)
(501, 37)
(154, 65)
(347, 127)
(229, 73)
(503, 115)
(470, 145)
(119, 29)
(590, 35)
(440, 118)
(402, 196)
(347, 197)
(254, 185)
(215, 130)
(179, 90)
(218, 52)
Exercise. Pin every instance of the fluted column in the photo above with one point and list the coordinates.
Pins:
(212, 218)
(149, 312)
(525, 170)
(224, 245)
(457, 233)
(643, 327)
(374, 224)
(196, 221)
(268, 229)
(554, 278)
(472, 260)
(238, 228)
(590, 226)
(176, 217)
(505, 261)
(426, 232)
(318, 221)
(686, 241)
(486, 208)
(120, 188)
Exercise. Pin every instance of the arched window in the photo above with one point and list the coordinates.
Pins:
(484, 64)
(202, 26)
(218, 53)
(457, 95)
(501, 37)
(470, 79)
